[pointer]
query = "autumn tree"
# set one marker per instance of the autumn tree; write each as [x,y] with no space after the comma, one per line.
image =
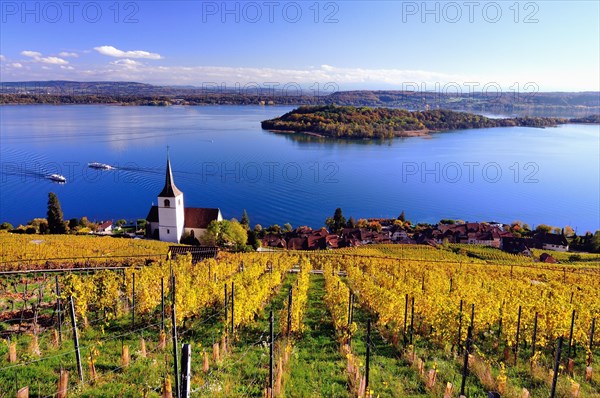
[543,228]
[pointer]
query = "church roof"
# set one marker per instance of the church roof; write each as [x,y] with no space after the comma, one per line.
[196,217]
[170,190]
[152,214]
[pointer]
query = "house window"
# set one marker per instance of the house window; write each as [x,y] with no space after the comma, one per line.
[168,231]
[167,203]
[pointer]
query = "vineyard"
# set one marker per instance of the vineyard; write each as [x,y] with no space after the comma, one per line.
[377,321]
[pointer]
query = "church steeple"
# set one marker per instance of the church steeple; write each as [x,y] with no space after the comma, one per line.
[171,211]
[169,190]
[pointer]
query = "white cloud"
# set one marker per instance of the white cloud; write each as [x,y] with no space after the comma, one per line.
[16,65]
[115,52]
[126,62]
[324,78]
[2,57]
[32,54]
[53,60]
[66,54]
[37,57]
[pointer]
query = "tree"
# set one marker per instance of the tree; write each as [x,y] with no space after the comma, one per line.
[141,224]
[543,228]
[402,216]
[275,228]
[245,220]
[337,222]
[73,224]
[362,223]
[121,222]
[375,226]
[228,233]
[287,227]
[40,225]
[253,240]
[6,225]
[56,225]
[351,223]
[595,242]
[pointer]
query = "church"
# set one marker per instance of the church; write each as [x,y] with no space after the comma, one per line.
[170,221]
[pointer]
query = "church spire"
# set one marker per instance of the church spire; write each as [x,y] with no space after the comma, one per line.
[170,190]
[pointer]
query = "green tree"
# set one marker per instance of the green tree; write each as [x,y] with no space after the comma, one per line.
[595,242]
[253,240]
[245,220]
[226,233]
[351,223]
[141,223]
[73,224]
[6,225]
[337,222]
[402,216]
[275,228]
[56,225]
[40,225]
[121,222]
[287,227]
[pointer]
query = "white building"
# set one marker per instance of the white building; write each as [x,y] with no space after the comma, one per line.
[170,220]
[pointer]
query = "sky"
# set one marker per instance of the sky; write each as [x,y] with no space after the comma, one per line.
[322,46]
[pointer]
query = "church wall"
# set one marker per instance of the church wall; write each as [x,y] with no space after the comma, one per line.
[171,219]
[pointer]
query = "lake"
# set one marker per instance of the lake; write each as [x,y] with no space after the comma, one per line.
[222,158]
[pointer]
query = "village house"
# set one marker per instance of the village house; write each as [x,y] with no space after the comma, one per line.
[170,221]
[105,228]
[467,233]
[516,245]
[548,241]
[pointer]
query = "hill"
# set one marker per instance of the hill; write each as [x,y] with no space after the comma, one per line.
[580,104]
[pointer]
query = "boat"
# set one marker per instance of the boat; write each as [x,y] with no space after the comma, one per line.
[101,166]
[57,178]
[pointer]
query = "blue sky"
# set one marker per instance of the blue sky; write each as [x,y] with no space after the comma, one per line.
[353,44]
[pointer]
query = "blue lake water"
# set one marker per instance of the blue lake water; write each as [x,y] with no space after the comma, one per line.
[222,158]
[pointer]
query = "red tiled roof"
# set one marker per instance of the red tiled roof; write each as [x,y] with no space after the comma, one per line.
[197,217]
[105,225]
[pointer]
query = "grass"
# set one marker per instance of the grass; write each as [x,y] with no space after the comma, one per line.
[244,372]
[317,367]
